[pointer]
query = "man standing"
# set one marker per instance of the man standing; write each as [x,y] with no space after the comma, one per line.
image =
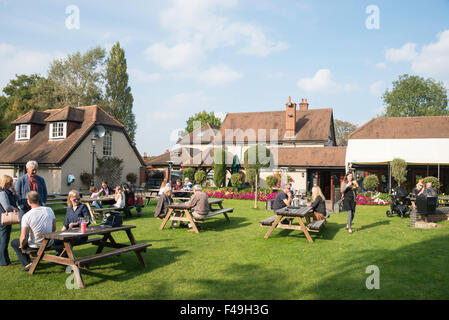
[38,221]
[30,182]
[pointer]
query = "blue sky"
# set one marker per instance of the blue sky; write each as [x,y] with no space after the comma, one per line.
[236,56]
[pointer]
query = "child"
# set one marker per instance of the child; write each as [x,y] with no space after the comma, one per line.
[94,195]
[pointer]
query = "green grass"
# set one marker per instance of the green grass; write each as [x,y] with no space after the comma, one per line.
[234,261]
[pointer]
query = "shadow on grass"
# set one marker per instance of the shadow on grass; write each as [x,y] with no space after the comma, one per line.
[327,232]
[415,271]
[216,224]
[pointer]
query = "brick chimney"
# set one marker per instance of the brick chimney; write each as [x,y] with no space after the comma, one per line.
[290,118]
[304,105]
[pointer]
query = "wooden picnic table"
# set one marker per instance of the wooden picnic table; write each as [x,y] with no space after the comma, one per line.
[186,216]
[69,237]
[154,194]
[294,213]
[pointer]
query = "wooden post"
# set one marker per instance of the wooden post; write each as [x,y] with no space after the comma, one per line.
[255,194]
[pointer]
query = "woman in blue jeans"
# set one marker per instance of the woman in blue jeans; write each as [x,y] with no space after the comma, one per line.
[8,203]
[349,194]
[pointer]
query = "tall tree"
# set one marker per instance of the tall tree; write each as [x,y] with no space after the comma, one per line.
[204,118]
[257,157]
[18,99]
[342,131]
[118,98]
[415,96]
[76,80]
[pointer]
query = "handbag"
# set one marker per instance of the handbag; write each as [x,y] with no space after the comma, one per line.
[9,218]
[112,219]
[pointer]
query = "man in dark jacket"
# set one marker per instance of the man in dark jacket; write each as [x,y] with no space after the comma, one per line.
[30,182]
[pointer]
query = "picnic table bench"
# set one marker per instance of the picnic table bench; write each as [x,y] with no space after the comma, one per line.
[186,216]
[293,213]
[69,237]
[96,212]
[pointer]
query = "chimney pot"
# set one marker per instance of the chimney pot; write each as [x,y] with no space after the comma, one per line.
[304,105]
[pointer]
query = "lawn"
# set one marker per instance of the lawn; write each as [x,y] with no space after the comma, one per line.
[234,261]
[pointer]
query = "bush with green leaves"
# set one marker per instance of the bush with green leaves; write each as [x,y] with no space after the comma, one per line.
[399,170]
[219,167]
[271,181]
[371,182]
[131,177]
[236,179]
[200,177]
[85,178]
[251,176]
[188,173]
[433,180]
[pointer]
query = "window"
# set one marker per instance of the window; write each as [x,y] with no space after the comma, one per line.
[107,144]
[58,130]
[23,132]
[19,170]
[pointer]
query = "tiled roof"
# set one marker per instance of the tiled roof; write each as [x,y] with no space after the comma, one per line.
[67,114]
[311,156]
[32,116]
[404,128]
[203,135]
[46,151]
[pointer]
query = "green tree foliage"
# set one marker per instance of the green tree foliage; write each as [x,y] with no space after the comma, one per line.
[399,170]
[271,181]
[204,118]
[118,97]
[189,173]
[109,169]
[200,177]
[219,167]
[415,96]
[18,99]
[371,182]
[251,176]
[236,179]
[257,157]
[433,180]
[131,177]
[342,131]
[73,81]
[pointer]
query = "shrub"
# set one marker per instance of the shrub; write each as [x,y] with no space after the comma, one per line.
[131,178]
[85,178]
[219,167]
[434,180]
[251,176]
[188,173]
[271,181]
[371,182]
[200,177]
[236,179]
[399,170]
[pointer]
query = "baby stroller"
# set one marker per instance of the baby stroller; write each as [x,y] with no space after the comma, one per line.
[400,203]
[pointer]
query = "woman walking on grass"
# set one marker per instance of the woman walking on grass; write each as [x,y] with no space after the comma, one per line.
[349,194]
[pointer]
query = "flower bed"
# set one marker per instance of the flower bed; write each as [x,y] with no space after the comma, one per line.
[228,194]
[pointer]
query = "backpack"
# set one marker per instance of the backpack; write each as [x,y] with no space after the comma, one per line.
[112,219]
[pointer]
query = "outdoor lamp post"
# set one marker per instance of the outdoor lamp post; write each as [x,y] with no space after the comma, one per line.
[93,140]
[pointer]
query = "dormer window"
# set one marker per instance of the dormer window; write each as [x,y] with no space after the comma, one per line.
[23,132]
[58,130]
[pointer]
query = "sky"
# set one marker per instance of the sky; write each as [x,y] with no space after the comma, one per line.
[236,56]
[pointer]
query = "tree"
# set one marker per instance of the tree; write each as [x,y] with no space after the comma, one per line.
[342,131]
[219,167]
[75,81]
[371,182]
[433,180]
[399,170]
[189,173]
[204,118]
[236,179]
[251,176]
[118,97]
[18,99]
[415,96]
[200,177]
[257,157]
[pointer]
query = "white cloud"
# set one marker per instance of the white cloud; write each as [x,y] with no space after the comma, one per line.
[220,74]
[177,56]
[18,61]
[377,88]
[381,65]
[142,76]
[432,60]
[322,82]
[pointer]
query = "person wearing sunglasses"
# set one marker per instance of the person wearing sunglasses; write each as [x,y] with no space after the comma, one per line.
[76,213]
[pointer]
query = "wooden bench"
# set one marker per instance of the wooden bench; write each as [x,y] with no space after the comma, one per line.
[314,226]
[32,251]
[223,211]
[117,252]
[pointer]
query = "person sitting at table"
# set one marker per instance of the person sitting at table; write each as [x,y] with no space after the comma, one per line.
[76,212]
[164,184]
[178,185]
[283,199]
[94,195]
[187,185]
[162,204]
[318,204]
[38,221]
[119,197]
[106,191]
[429,191]
[199,203]
[416,191]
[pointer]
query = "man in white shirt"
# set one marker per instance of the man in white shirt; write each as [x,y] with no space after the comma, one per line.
[38,221]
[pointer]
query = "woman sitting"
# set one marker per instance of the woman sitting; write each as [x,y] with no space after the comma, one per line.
[94,195]
[318,204]
[119,197]
[164,201]
[75,214]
